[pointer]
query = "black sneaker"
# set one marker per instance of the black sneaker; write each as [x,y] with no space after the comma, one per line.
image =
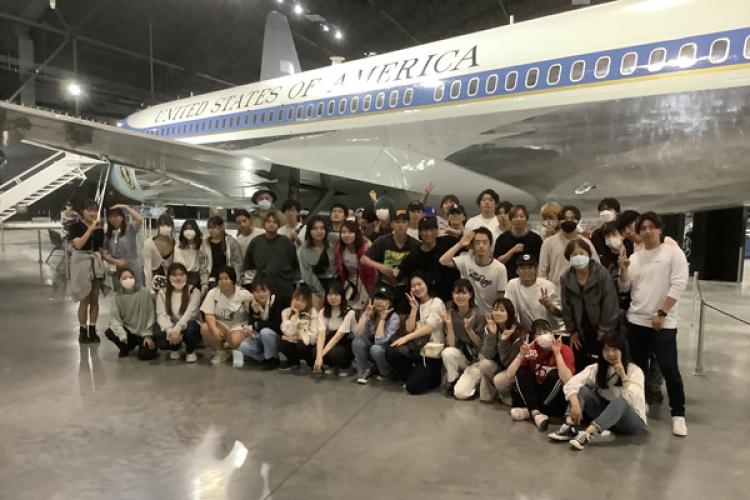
[284,366]
[580,441]
[83,336]
[564,433]
[269,364]
[93,337]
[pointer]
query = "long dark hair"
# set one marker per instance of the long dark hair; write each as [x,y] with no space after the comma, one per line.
[510,310]
[310,224]
[216,221]
[618,341]
[123,225]
[337,288]
[176,266]
[359,238]
[190,224]
[428,284]
[464,285]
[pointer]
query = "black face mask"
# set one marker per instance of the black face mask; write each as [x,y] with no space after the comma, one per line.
[568,225]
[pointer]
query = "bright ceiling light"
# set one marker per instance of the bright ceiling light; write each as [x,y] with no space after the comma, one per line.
[52,4]
[326,28]
[298,9]
[74,89]
[338,35]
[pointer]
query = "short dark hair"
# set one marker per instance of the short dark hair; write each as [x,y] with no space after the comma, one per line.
[165,220]
[490,192]
[90,205]
[291,204]
[609,228]
[610,203]
[428,283]
[483,230]
[229,271]
[650,216]
[339,205]
[626,218]
[505,206]
[569,208]
[259,282]
[450,197]
[215,221]
[576,243]
[305,292]
[272,215]
[241,212]
[515,208]
[540,324]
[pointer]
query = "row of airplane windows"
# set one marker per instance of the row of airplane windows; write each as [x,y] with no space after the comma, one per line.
[657,60]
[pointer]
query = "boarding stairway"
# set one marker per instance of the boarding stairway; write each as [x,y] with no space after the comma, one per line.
[42,179]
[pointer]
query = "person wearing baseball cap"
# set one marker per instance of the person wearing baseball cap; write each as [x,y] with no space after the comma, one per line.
[416,212]
[533,297]
[456,221]
[368,346]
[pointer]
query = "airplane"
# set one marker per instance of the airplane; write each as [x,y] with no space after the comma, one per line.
[642,100]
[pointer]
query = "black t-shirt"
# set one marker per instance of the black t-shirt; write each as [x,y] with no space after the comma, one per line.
[218,257]
[385,251]
[442,277]
[96,240]
[532,243]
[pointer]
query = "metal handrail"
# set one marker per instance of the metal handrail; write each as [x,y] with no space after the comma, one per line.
[32,170]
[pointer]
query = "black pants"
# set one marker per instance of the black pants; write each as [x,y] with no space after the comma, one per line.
[420,374]
[297,351]
[191,336]
[341,355]
[643,342]
[133,341]
[546,397]
[588,353]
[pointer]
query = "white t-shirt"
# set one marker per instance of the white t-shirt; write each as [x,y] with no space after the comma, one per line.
[337,323]
[492,224]
[429,314]
[233,312]
[526,301]
[414,233]
[487,280]
[244,241]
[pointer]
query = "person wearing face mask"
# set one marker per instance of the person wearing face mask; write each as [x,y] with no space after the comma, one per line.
[517,240]
[503,337]
[356,278]
[121,245]
[550,223]
[590,304]
[609,210]
[220,249]
[378,217]
[274,258]
[188,253]
[552,261]
[541,368]
[264,199]
[133,319]
[608,393]
[158,253]
[177,314]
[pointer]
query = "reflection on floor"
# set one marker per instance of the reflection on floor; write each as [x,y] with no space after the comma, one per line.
[78,423]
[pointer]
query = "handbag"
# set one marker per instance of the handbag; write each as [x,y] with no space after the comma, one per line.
[432,350]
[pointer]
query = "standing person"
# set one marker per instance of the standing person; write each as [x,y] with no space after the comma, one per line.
[299,323]
[133,319]
[263,199]
[552,261]
[377,325]
[656,277]
[246,231]
[464,337]
[426,258]
[158,253]
[387,253]
[220,250]
[337,214]
[488,276]
[292,228]
[379,217]
[317,263]
[609,393]
[335,325]
[188,253]
[177,314]
[87,270]
[456,222]
[416,212]
[448,201]
[488,200]
[609,209]
[227,312]
[424,324]
[541,368]
[550,223]
[534,297]
[516,241]
[121,248]
[274,258]
[609,248]
[265,323]
[503,217]
[503,337]
[356,278]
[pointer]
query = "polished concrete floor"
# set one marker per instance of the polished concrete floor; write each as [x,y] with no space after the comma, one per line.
[79,423]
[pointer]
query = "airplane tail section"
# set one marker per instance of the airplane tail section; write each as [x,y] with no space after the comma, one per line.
[279,54]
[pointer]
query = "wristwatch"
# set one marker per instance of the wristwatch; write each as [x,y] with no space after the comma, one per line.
[661,313]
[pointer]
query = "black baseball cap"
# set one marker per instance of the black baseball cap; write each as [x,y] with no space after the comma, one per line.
[456,209]
[526,259]
[415,206]
[400,214]
[384,292]
[427,222]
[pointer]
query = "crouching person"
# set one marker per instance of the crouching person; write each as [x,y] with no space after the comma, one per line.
[177,313]
[133,319]
[609,394]
[502,342]
[374,331]
[265,320]
[299,334]
[335,324]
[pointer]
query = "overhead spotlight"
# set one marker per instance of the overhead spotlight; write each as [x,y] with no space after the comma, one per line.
[298,9]
[74,89]
[584,188]
[52,4]
[326,28]
[338,35]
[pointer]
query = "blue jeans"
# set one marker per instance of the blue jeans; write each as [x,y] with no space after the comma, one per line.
[263,345]
[616,414]
[364,350]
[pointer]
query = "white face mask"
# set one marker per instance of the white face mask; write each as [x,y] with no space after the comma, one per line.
[579,261]
[165,231]
[264,204]
[382,213]
[544,340]
[614,243]
[189,234]
[128,283]
[177,285]
[607,215]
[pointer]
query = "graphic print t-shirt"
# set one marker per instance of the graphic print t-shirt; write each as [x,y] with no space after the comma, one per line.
[385,251]
[487,280]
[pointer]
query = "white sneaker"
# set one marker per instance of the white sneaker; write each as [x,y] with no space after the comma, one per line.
[328,370]
[343,372]
[219,357]
[174,355]
[238,359]
[541,421]
[191,358]
[519,414]
[679,426]
[364,377]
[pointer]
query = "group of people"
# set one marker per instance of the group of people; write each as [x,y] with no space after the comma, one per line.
[572,322]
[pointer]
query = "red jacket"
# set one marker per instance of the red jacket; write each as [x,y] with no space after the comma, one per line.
[368,275]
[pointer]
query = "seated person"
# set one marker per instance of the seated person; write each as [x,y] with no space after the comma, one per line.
[133,319]
[372,334]
[299,323]
[464,335]
[227,312]
[502,341]
[177,312]
[541,368]
[265,326]
[335,324]
[608,394]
